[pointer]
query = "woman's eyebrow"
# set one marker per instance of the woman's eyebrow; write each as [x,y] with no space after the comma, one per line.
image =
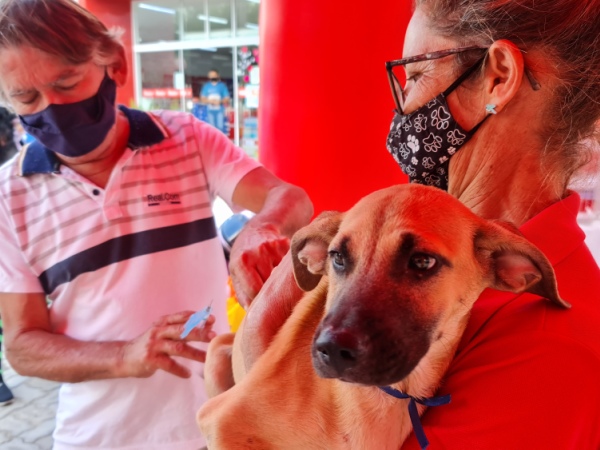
[19,92]
[69,73]
[66,74]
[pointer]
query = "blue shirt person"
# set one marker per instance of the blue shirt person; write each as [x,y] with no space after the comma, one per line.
[198,110]
[216,97]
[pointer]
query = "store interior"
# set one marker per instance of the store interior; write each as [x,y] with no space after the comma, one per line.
[180,41]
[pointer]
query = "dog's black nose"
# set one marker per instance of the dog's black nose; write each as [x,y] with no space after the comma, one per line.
[336,350]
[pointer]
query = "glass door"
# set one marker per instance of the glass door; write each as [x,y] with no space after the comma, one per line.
[248,80]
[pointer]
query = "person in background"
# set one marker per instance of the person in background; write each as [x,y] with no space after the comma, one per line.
[198,109]
[6,395]
[7,151]
[215,96]
[108,215]
[495,102]
[8,148]
[20,136]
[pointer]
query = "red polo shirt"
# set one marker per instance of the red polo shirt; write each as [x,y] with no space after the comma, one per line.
[527,373]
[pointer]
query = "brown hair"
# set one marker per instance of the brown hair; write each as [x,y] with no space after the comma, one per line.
[568,34]
[58,27]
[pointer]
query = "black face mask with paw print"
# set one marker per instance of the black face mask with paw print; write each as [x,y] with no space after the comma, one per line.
[423,141]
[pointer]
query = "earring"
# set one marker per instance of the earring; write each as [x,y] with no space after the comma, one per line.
[491,109]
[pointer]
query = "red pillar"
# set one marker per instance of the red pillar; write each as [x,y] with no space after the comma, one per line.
[117,13]
[325,103]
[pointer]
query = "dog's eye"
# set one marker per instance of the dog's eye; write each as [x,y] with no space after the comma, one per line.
[422,262]
[337,259]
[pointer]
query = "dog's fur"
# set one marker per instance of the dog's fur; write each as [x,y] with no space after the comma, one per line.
[390,286]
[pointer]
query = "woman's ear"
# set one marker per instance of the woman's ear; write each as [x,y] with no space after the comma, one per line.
[118,70]
[504,73]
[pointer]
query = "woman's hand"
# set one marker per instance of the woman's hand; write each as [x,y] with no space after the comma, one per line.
[155,349]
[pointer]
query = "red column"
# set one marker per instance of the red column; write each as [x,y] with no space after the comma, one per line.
[325,102]
[117,13]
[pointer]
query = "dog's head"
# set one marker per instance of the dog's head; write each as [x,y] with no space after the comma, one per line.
[404,266]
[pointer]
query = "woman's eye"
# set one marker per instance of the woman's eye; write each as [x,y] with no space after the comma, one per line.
[25,97]
[336,258]
[412,79]
[66,88]
[27,101]
[422,262]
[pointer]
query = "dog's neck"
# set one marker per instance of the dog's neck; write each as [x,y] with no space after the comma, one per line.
[379,407]
[426,377]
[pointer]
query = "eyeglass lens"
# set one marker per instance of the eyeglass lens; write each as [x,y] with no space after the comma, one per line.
[399,81]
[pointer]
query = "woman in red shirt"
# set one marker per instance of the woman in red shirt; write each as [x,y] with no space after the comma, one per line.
[494,99]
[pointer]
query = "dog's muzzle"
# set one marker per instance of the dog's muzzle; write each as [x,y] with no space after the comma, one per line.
[335,354]
[358,357]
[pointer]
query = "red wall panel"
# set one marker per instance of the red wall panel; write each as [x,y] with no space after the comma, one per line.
[325,102]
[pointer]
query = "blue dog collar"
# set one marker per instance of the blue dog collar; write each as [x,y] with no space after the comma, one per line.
[413,413]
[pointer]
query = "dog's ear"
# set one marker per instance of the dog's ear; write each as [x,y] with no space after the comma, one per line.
[309,248]
[515,264]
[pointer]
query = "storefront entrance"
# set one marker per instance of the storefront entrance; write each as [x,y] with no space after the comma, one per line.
[178,42]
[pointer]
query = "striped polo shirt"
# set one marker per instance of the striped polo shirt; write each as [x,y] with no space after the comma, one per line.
[114,260]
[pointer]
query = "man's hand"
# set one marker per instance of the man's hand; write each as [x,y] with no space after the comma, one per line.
[281,209]
[256,251]
[156,348]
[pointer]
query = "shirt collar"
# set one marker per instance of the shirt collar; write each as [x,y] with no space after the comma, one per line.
[555,230]
[144,130]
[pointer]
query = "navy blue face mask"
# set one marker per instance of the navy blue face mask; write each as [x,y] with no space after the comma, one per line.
[75,129]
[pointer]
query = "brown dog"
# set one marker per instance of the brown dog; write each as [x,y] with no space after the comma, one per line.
[391,283]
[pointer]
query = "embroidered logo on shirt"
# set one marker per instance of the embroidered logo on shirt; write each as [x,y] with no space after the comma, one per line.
[165,198]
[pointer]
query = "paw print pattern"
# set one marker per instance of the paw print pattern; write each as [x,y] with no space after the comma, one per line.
[420,123]
[432,143]
[410,171]
[440,118]
[423,143]
[433,180]
[412,143]
[455,137]
[428,163]
[397,125]
[404,151]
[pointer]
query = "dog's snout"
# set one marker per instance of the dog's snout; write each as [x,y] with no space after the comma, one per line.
[336,352]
